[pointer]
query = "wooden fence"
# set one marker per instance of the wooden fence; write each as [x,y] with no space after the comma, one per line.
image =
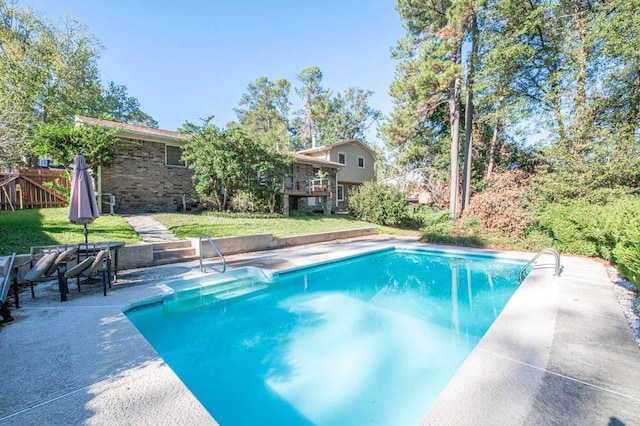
[23,189]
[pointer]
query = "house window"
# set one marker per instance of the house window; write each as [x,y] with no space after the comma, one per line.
[340,192]
[311,201]
[174,156]
[361,162]
[342,158]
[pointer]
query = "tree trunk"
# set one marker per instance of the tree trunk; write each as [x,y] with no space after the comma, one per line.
[580,99]
[494,139]
[492,150]
[468,140]
[454,121]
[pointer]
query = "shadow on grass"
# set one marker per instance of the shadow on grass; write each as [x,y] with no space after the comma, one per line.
[19,230]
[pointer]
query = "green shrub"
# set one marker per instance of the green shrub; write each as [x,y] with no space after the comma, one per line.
[426,217]
[380,204]
[608,231]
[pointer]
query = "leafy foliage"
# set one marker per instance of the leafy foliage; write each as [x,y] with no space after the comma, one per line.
[13,129]
[59,187]
[49,73]
[608,231]
[62,142]
[263,112]
[328,117]
[380,204]
[228,161]
[115,104]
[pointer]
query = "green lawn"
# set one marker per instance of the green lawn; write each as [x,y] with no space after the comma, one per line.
[22,229]
[225,225]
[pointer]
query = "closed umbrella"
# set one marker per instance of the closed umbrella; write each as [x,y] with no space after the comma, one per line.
[82,203]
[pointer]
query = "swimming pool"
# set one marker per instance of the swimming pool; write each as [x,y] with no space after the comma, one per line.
[370,339]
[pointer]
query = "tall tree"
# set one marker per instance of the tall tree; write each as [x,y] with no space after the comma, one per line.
[311,121]
[469,125]
[431,73]
[327,118]
[116,104]
[49,72]
[13,128]
[264,110]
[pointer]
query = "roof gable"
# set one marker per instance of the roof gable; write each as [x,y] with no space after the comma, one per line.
[337,144]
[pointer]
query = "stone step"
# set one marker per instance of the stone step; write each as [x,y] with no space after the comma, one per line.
[176,252]
[169,245]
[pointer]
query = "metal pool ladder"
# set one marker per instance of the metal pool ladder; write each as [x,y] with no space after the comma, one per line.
[224,262]
[550,250]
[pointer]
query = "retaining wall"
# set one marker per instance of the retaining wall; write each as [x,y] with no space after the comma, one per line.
[141,255]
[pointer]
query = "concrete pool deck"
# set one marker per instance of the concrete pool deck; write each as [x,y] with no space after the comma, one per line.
[561,352]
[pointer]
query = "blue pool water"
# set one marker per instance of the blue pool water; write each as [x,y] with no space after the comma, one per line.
[368,340]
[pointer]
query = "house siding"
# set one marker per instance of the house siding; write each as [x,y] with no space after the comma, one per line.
[140,180]
[351,172]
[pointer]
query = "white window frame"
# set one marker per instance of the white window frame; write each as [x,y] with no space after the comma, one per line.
[345,157]
[363,162]
[166,157]
[340,191]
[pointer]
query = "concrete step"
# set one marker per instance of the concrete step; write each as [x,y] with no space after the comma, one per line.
[176,252]
[170,260]
[168,245]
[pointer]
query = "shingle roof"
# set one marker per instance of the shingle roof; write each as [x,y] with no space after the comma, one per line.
[167,134]
[302,158]
[130,128]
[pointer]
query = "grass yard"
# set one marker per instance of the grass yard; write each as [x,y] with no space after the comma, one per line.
[216,224]
[22,229]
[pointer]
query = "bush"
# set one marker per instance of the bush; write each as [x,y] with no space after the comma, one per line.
[426,217]
[499,206]
[608,231]
[244,202]
[380,204]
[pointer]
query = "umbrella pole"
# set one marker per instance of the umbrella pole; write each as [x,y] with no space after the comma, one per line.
[86,234]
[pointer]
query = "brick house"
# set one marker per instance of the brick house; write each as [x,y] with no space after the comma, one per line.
[146,173]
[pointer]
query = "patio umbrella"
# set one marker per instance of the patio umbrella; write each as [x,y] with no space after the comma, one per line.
[82,203]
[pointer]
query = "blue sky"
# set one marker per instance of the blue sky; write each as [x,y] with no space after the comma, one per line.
[189,59]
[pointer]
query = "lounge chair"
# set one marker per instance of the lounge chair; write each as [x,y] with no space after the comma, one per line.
[47,265]
[91,266]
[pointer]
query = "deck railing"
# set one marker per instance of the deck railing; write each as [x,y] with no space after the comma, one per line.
[24,189]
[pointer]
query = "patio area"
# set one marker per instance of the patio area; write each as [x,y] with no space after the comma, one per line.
[561,352]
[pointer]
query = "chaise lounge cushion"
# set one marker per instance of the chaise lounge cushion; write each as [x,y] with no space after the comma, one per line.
[62,257]
[97,263]
[41,266]
[80,267]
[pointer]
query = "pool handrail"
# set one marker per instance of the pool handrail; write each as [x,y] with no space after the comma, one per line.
[549,250]
[224,262]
